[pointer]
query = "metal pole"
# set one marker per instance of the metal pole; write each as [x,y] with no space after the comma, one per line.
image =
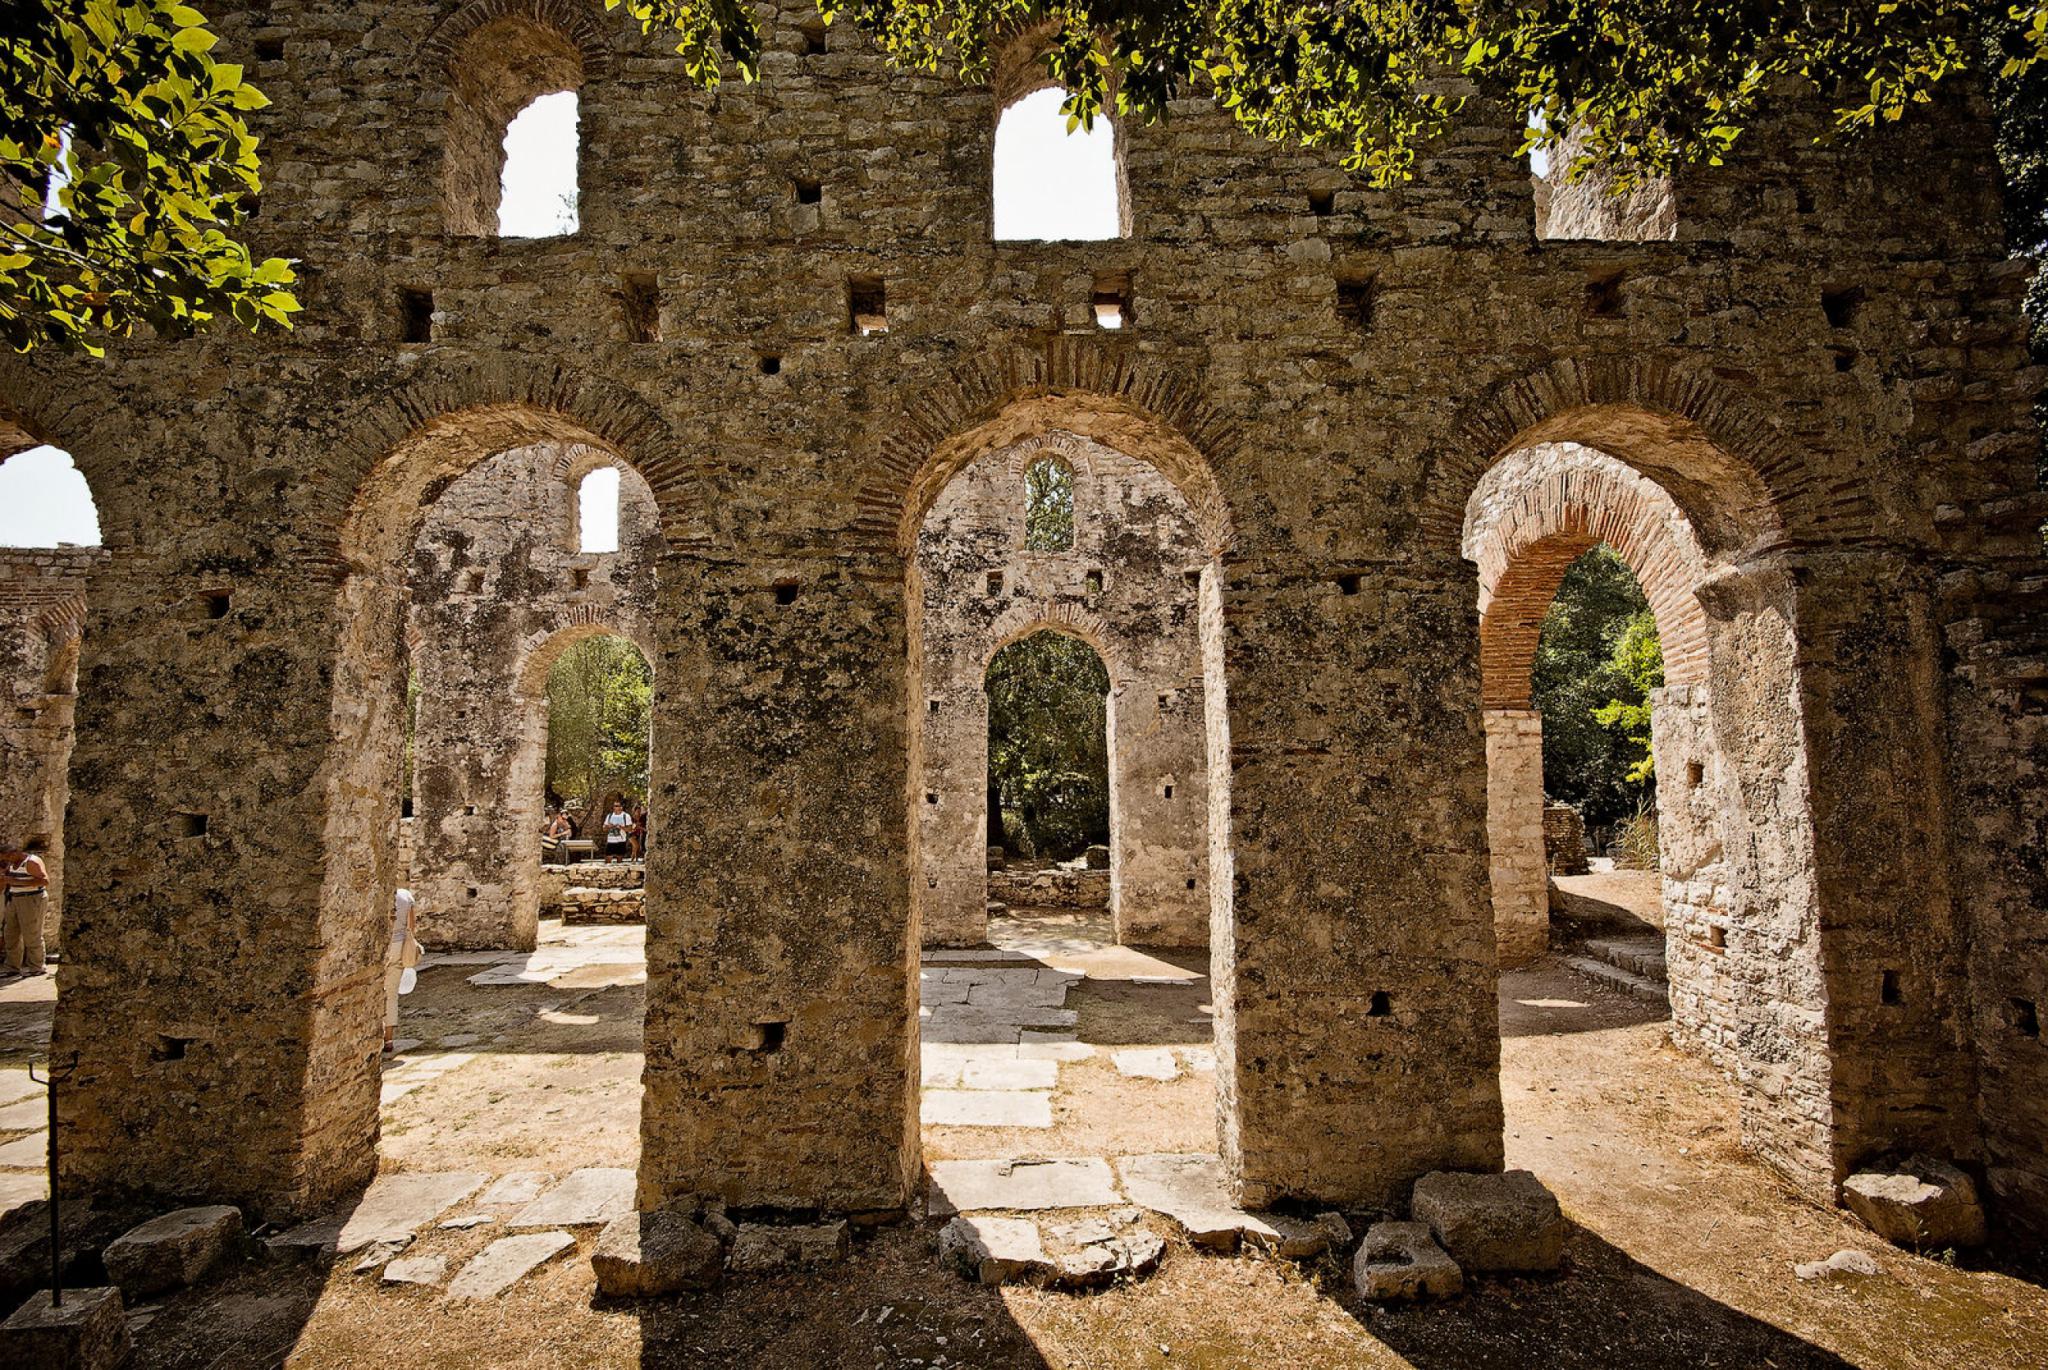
[49,1081]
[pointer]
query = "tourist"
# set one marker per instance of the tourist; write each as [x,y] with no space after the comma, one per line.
[26,882]
[618,832]
[404,953]
[558,830]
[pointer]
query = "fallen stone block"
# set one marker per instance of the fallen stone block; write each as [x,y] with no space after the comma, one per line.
[1923,1203]
[430,1270]
[86,1332]
[1402,1262]
[25,1245]
[172,1251]
[1506,1222]
[643,1255]
[1845,1262]
[1299,1239]
[500,1265]
[760,1249]
[994,1250]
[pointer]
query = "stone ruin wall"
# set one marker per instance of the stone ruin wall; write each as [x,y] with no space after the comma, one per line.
[1706,1017]
[500,590]
[1126,587]
[1825,366]
[44,590]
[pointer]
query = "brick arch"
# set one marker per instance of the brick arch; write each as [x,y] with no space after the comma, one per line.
[39,408]
[1020,621]
[541,649]
[1729,470]
[581,24]
[402,447]
[1534,514]
[1145,408]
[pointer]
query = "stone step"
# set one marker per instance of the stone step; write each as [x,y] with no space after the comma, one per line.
[1615,977]
[1642,956]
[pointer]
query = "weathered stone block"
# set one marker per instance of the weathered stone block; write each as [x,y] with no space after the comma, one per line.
[1506,1222]
[642,1255]
[86,1332]
[1401,1261]
[759,1249]
[994,1250]
[1924,1203]
[172,1251]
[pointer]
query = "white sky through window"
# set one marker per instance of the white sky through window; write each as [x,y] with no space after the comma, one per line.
[597,510]
[44,501]
[1051,184]
[538,192]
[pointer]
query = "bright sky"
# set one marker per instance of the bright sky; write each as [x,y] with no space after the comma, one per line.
[1051,184]
[537,196]
[44,501]
[597,510]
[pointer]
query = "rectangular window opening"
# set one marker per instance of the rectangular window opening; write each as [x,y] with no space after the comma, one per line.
[1695,774]
[216,603]
[416,315]
[1350,584]
[1888,988]
[867,305]
[189,824]
[1166,792]
[1322,202]
[786,591]
[932,705]
[270,49]
[1111,300]
[1094,582]
[1381,1005]
[1717,938]
[1354,301]
[580,578]
[810,38]
[640,306]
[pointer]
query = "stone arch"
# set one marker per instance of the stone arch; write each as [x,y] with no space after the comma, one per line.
[423,433]
[581,24]
[39,408]
[1532,515]
[544,647]
[1142,407]
[1727,468]
[1057,616]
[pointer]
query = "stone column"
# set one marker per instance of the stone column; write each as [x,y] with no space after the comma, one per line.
[1692,858]
[1159,787]
[1357,1021]
[477,776]
[1519,870]
[781,958]
[951,804]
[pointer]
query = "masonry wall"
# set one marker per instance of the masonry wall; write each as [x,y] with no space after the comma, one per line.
[1693,863]
[500,589]
[44,590]
[1519,872]
[1327,454]
[1127,586]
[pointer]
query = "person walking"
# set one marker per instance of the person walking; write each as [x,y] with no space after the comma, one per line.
[403,954]
[25,881]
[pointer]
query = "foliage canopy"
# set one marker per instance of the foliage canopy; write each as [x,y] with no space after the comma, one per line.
[127,166]
[1596,662]
[1048,746]
[1049,505]
[600,709]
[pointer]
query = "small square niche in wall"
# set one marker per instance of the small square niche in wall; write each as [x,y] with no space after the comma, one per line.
[867,304]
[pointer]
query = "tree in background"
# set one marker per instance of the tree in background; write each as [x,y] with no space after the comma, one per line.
[1048,744]
[127,168]
[1596,661]
[600,703]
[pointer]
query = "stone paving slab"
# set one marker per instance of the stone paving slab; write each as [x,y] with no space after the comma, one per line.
[1146,1063]
[32,1112]
[985,1108]
[588,1197]
[416,1270]
[498,1266]
[1052,1046]
[984,1186]
[1009,1074]
[1193,1189]
[15,1084]
[392,1209]
[26,1153]
[516,1189]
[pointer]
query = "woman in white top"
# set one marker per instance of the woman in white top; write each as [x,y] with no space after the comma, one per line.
[404,951]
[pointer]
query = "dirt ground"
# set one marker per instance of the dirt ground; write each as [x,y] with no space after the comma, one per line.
[1681,1251]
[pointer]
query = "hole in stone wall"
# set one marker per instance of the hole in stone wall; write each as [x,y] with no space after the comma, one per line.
[475,582]
[1191,579]
[472,891]
[931,796]
[1888,988]
[1321,202]
[1165,699]
[416,316]
[640,306]
[216,603]
[1802,200]
[770,1036]
[1695,773]
[1191,884]
[1380,1006]
[580,578]
[2025,1019]
[1845,358]
[932,704]
[469,810]
[770,364]
[995,584]
[169,1048]
[1166,792]
[1354,301]
[270,49]
[1094,582]
[867,304]
[809,192]
[786,591]
[189,824]
[1841,306]
[810,37]
[1350,583]
[1604,299]
[1111,300]
[1717,938]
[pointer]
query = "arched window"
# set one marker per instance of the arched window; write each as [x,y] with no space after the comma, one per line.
[597,511]
[1053,182]
[44,501]
[1049,506]
[510,155]
[537,191]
